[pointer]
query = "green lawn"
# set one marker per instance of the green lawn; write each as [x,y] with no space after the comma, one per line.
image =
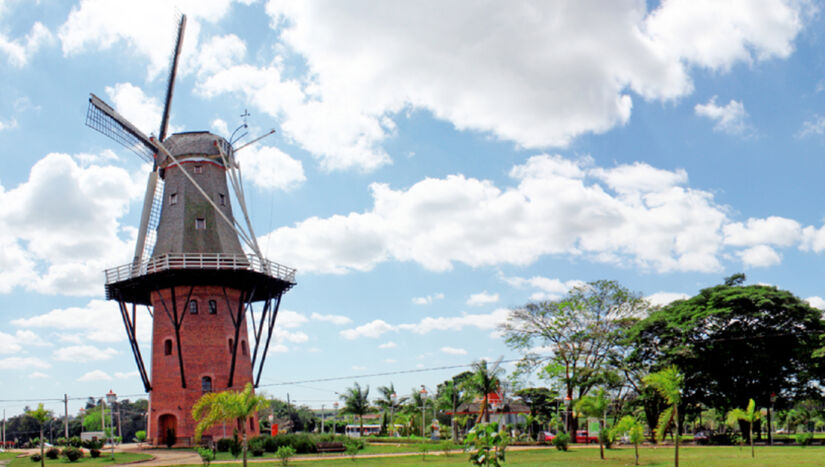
[104,459]
[690,456]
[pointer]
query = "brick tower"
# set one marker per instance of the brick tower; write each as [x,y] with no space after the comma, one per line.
[192,273]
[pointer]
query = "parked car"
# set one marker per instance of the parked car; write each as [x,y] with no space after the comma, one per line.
[583,437]
[546,436]
[701,437]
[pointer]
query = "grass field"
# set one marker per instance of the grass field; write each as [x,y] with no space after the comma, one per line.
[689,456]
[104,459]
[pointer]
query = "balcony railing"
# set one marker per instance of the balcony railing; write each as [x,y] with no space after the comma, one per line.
[204,261]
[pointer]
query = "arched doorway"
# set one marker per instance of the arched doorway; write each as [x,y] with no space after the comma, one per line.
[167,429]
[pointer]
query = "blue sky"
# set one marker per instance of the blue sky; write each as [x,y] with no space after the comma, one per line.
[434,166]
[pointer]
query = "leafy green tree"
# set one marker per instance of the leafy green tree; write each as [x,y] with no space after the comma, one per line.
[484,381]
[749,416]
[41,416]
[356,402]
[451,394]
[388,400]
[668,383]
[631,427]
[595,406]
[736,341]
[228,406]
[486,444]
[583,329]
[301,416]
[542,403]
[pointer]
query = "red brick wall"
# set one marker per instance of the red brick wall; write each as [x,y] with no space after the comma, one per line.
[205,348]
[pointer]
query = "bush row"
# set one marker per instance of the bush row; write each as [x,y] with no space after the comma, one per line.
[302,443]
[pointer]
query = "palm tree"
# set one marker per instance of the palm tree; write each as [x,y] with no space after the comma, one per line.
[749,416]
[483,382]
[595,406]
[389,400]
[356,402]
[668,383]
[451,394]
[227,406]
[42,416]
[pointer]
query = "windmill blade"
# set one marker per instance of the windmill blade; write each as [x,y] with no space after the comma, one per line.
[102,118]
[151,209]
[170,85]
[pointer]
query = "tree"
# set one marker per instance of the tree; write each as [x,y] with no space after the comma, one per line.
[483,382]
[735,341]
[668,383]
[227,406]
[451,394]
[595,406]
[42,416]
[749,416]
[634,429]
[356,402]
[389,400]
[542,403]
[583,330]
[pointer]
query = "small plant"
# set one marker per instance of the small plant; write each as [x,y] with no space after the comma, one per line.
[352,446]
[486,444]
[804,439]
[446,446]
[72,454]
[424,449]
[36,458]
[75,441]
[140,437]
[284,453]
[53,453]
[634,429]
[61,441]
[94,453]
[561,441]
[207,456]
[225,444]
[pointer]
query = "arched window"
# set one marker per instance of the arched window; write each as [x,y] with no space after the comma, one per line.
[213,307]
[167,347]
[206,384]
[193,307]
[252,424]
[230,345]
[243,347]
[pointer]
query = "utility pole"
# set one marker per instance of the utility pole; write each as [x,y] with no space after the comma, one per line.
[4,428]
[66,413]
[288,411]
[322,418]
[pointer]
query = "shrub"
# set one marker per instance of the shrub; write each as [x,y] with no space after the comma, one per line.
[607,438]
[140,436]
[424,449]
[75,441]
[35,458]
[269,444]
[256,446]
[207,456]
[94,453]
[225,444]
[804,439]
[284,453]
[72,454]
[352,446]
[446,445]
[301,442]
[53,453]
[561,441]
[61,441]
[727,438]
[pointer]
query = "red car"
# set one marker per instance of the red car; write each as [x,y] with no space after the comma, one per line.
[583,437]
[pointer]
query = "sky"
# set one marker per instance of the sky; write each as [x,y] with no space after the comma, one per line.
[435,164]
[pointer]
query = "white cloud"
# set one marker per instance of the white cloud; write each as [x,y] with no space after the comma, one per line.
[727,119]
[390,360]
[759,256]
[816,302]
[334,319]
[83,353]
[359,368]
[290,319]
[8,124]
[60,228]
[378,327]
[453,351]
[98,321]
[482,298]
[557,207]
[142,111]
[664,298]
[126,375]
[14,343]
[22,363]
[366,64]
[388,345]
[18,52]
[38,375]
[95,375]
[773,230]
[269,167]
[220,127]
[551,289]
[815,126]
[219,53]
[428,299]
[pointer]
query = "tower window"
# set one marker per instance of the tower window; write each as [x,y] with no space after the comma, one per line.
[167,347]
[230,345]
[213,307]
[243,347]
[173,199]
[251,424]
[198,169]
[193,307]
[223,199]
[206,384]
[200,223]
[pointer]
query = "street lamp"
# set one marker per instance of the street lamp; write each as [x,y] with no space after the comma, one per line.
[567,400]
[423,400]
[322,418]
[335,425]
[393,396]
[111,398]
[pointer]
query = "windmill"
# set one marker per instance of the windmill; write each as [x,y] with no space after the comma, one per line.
[191,271]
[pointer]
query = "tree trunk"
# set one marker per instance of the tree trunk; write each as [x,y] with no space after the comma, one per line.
[243,432]
[361,421]
[42,461]
[452,421]
[601,444]
[676,416]
[636,447]
[750,435]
